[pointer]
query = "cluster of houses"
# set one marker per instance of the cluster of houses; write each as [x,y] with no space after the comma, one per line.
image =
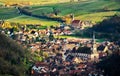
[74,61]
[66,56]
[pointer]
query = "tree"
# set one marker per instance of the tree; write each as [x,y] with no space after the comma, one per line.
[56,11]
[11,57]
[51,37]
[110,65]
[6,25]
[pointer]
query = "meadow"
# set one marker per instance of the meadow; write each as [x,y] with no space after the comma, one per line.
[34,2]
[23,19]
[7,13]
[89,10]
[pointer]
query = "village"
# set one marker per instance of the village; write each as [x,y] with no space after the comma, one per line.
[63,56]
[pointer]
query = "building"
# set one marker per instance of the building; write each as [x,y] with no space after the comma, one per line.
[76,24]
[86,53]
[81,24]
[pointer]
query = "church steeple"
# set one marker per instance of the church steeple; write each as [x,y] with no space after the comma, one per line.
[94,47]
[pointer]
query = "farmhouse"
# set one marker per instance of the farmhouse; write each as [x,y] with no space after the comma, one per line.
[76,24]
[80,24]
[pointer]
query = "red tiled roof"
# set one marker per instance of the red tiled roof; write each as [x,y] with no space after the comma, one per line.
[75,21]
[41,64]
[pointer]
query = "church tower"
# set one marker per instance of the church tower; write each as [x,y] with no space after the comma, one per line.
[94,54]
[94,47]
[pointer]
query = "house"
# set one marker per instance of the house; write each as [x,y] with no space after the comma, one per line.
[77,60]
[76,24]
[81,24]
[86,24]
[39,68]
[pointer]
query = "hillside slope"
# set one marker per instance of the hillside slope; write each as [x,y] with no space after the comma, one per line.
[32,1]
[11,57]
[90,10]
[111,25]
[108,29]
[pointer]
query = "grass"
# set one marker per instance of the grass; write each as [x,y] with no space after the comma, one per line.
[7,13]
[90,10]
[23,19]
[65,36]
[96,17]
[34,1]
[86,10]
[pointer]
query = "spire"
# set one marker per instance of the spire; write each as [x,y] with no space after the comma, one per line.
[93,37]
[94,48]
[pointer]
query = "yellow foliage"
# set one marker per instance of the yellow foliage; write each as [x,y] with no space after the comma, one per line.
[6,25]
[68,19]
[45,54]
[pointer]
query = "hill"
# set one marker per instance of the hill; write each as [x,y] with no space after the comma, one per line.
[90,10]
[32,2]
[108,29]
[111,25]
[24,19]
[12,57]
[7,13]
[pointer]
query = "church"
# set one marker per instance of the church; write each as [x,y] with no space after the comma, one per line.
[87,53]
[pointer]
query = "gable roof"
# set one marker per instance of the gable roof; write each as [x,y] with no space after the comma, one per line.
[84,50]
[76,21]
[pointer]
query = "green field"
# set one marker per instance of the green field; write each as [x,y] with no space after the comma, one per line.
[34,1]
[94,10]
[11,14]
[90,10]
[23,19]
[96,17]
[7,13]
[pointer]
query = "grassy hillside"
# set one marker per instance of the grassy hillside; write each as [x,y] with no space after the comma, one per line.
[23,19]
[34,1]
[94,10]
[107,29]
[12,57]
[6,13]
[12,15]
[111,25]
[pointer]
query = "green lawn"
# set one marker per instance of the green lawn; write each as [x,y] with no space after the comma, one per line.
[23,19]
